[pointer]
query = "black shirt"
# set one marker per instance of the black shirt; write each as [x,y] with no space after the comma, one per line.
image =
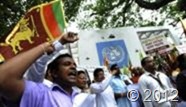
[181,86]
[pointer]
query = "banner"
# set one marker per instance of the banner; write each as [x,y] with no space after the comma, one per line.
[155,41]
[41,23]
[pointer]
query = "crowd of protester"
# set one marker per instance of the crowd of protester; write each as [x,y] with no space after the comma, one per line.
[47,76]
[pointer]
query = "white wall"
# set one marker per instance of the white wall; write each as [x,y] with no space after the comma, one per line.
[88,40]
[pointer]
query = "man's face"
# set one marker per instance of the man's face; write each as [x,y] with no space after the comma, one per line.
[100,77]
[150,65]
[66,73]
[81,81]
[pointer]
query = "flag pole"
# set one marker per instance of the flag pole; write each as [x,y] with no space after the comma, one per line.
[183,23]
[69,48]
[68,44]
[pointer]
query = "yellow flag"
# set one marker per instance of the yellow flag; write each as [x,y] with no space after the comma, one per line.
[1,58]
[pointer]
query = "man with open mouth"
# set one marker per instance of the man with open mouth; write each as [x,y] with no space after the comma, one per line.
[15,88]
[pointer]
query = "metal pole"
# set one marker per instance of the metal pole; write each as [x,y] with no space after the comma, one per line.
[69,48]
[68,45]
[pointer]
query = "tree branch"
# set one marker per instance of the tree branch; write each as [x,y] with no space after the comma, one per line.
[127,6]
[153,5]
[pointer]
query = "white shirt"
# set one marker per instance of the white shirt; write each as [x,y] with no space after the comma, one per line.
[104,93]
[148,82]
[48,83]
[84,100]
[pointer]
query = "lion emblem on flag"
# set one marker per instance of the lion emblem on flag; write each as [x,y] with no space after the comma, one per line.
[24,33]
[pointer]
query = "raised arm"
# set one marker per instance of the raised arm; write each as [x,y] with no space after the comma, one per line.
[11,78]
[11,81]
[99,87]
[37,71]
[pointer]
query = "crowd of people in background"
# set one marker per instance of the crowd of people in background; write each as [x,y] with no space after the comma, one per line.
[47,76]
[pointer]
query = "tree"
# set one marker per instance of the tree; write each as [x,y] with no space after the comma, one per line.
[119,13]
[13,10]
[100,13]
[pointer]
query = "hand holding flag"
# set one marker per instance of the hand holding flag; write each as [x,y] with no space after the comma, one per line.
[68,37]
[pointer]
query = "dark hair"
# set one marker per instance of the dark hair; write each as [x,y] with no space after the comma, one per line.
[137,71]
[181,61]
[143,61]
[113,67]
[54,65]
[1,62]
[96,71]
[80,72]
[48,70]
